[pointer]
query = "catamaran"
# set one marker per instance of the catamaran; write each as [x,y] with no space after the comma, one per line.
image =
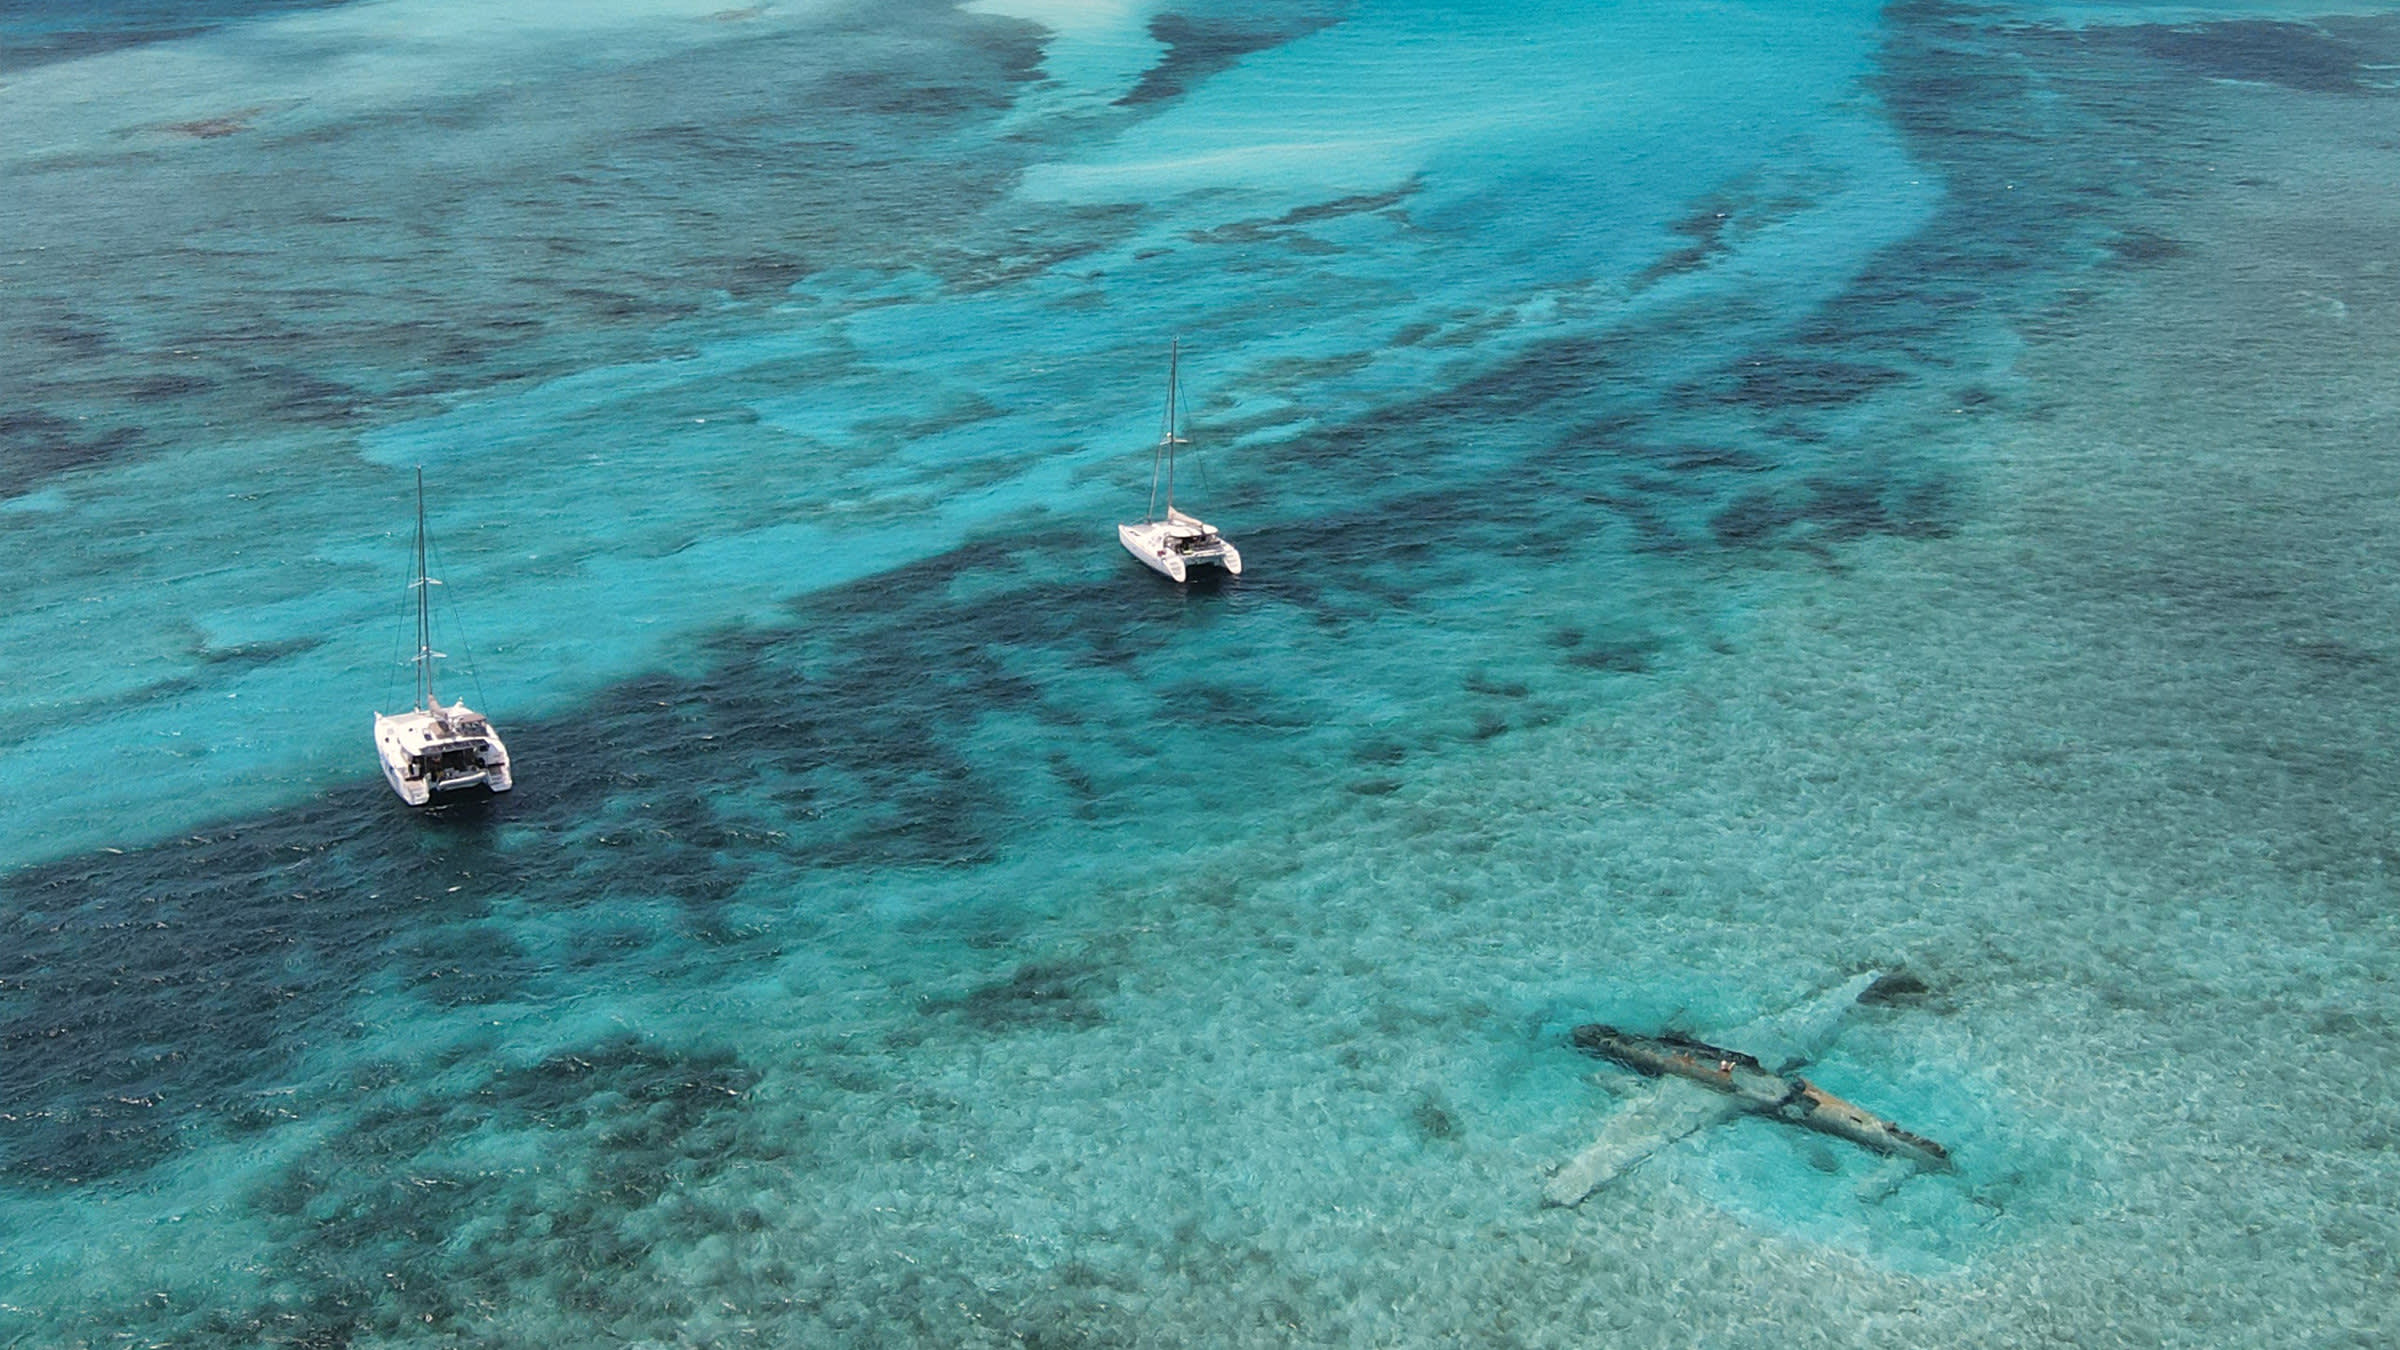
[1170,545]
[430,748]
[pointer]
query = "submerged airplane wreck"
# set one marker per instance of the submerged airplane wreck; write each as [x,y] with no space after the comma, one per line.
[1729,1083]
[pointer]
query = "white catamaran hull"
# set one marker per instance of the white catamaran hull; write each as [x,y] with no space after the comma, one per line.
[1172,546]
[441,751]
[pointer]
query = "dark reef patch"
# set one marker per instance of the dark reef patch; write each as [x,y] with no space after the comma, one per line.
[212,128]
[2336,655]
[36,445]
[399,1230]
[1612,658]
[38,33]
[1895,986]
[161,388]
[246,655]
[763,276]
[1433,1119]
[1199,46]
[1035,995]
[1751,519]
[2143,247]
[1286,228]
[144,992]
[1704,233]
[2295,55]
[1779,382]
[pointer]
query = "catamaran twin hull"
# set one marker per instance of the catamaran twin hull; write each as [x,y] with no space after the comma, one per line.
[1172,546]
[442,750]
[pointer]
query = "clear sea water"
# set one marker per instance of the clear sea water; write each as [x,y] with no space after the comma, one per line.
[1736,495]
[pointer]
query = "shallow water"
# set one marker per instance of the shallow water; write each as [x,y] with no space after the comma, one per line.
[1733,499]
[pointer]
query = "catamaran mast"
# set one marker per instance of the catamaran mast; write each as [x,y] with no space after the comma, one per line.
[423,586]
[1174,359]
[1167,439]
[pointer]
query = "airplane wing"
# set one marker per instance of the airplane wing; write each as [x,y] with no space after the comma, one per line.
[1662,1111]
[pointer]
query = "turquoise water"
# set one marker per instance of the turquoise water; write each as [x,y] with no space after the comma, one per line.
[1735,496]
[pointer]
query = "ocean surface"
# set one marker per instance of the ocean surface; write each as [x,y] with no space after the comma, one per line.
[1735,496]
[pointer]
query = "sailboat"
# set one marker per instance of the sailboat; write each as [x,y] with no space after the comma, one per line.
[1171,545]
[432,749]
